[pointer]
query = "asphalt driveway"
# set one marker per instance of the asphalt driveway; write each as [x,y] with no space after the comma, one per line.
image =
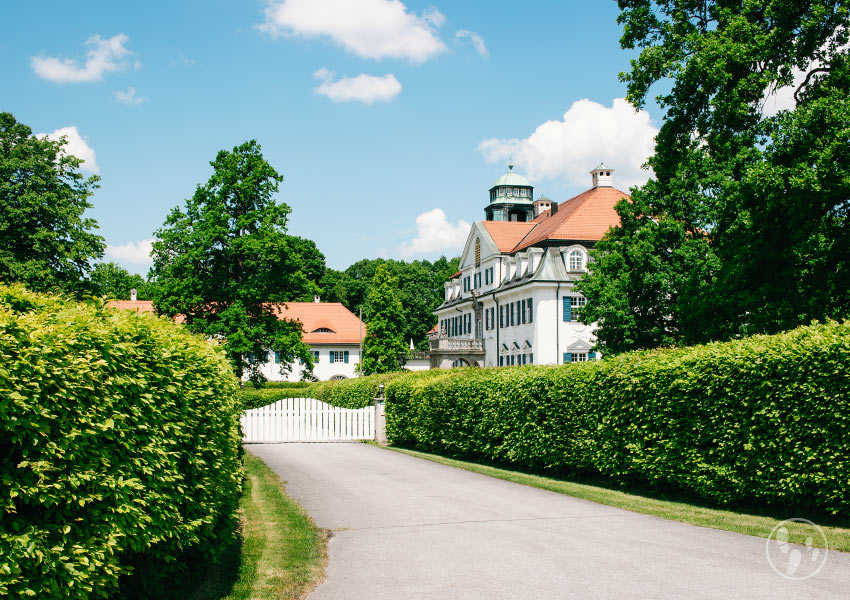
[406,528]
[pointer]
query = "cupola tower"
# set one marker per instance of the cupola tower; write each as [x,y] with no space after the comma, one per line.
[511,198]
[602,176]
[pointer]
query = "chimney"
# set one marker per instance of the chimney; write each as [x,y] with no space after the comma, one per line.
[133,294]
[554,209]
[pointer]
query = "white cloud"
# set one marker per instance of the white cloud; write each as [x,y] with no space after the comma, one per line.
[368,28]
[477,41]
[129,97]
[589,133]
[137,253]
[76,145]
[435,234]
[103,56]
[362,88]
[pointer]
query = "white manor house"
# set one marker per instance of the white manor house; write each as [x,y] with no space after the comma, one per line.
[513,300]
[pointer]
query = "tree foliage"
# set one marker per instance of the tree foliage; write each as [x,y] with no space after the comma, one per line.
[420,290]
[114,281]
[225,259]
[744,227]
[45,241]
[384,348]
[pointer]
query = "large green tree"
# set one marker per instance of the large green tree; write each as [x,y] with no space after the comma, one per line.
[744,227]
[114,281]
[46,242]
[384,348]
[225,259]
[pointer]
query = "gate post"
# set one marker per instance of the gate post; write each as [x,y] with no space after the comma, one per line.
[380,418]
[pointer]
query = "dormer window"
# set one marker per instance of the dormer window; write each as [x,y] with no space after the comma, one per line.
[323,330]
[576,260]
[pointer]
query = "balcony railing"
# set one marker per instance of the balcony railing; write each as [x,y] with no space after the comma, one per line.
[457,345]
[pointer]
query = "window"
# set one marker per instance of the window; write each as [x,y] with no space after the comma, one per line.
[524,313]
[576,260]
[570,304]
[315,354]
[571,357]
[277,357]
[512,321]
[466,283]
[501,361]
[477,281]
[339,356]
[501,317]
[530,310]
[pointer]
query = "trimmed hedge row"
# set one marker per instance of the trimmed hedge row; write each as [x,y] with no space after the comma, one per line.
[254,398]
[764,420]
[361,391]
[119,449]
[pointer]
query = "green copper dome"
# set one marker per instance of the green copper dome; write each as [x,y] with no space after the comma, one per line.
[511,178]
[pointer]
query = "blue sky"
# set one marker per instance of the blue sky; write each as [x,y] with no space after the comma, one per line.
[389,120]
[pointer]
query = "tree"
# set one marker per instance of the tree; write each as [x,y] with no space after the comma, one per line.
[384,348]
[746,220]
[114,281]
[45,241]
[225,259]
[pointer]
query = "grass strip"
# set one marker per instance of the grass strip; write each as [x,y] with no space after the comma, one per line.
[283,552]
[748,524]
[279,554]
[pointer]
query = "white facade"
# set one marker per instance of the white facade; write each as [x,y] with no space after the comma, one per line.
[514,299]
[520,315]
[329,362]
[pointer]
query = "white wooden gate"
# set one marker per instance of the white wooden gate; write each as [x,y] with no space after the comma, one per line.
[307,420]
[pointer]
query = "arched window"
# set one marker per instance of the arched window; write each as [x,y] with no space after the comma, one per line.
[576,260]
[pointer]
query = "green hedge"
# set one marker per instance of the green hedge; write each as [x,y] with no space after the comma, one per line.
[119,449]
[250,397]
[361,391]
[764,420]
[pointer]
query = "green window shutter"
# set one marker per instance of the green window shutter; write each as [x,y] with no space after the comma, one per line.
[530,311]
[568,357]
[591,356]
[345,356]
[568,309]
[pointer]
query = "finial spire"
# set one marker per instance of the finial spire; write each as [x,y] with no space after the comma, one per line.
[511,163]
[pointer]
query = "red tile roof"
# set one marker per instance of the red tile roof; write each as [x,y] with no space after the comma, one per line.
[586,217]
[344,325]
[142,306]
[507,234]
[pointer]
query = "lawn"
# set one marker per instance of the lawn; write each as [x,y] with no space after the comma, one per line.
[838,538]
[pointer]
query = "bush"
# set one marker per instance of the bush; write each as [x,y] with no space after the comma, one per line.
[119,448]
[764,420]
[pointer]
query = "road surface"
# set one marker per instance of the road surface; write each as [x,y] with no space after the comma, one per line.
[405,528]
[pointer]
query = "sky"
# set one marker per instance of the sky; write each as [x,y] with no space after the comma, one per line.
[389,120]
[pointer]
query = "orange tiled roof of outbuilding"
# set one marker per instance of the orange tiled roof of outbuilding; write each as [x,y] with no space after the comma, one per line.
[344,325]
[142,306]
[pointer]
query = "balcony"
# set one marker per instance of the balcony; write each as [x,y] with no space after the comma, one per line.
[456,345]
